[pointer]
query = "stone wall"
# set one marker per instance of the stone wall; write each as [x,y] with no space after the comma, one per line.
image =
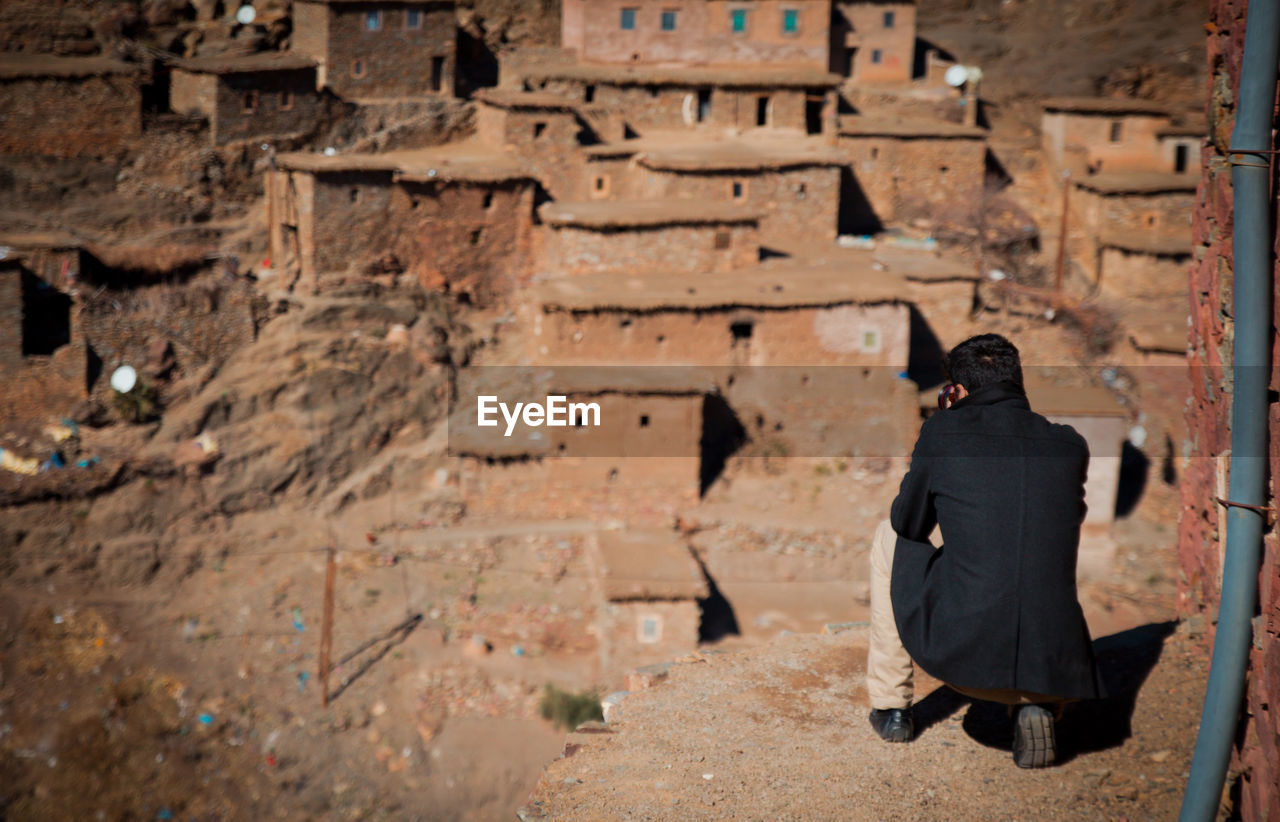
[10,314]
[622,650]
[797,204]
[1136,147]
[94,116]
[545,139]
[1202,527]
[1135,274]
[651,249]
[391,61]
[703,32]
[867,335]
[282,102]
[932,178]
[862,31]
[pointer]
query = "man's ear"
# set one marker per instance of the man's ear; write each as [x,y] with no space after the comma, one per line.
[961,392]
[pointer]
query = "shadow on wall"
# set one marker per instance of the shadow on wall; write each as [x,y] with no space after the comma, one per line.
[924,358]
[856,216]
[1125,660]
[1135,467]
[722,435]
[923,47]
[718,618]
[477,65]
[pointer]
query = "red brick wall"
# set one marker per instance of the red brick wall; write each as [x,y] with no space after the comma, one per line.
[1258,756]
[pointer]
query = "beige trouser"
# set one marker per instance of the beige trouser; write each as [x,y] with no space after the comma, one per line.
[889,668]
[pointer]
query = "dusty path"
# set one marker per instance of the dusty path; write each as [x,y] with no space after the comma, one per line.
[780,732]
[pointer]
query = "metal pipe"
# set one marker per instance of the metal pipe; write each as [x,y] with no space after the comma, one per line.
[1250,368]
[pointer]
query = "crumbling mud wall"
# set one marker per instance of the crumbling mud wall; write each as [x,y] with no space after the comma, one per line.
[1256,764]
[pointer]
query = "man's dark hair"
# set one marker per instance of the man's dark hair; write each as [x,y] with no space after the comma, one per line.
[979,361]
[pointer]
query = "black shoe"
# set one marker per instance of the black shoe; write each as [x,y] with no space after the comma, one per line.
[893,724]
[1033,742]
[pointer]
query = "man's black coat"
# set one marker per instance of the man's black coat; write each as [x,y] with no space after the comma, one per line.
[995,606]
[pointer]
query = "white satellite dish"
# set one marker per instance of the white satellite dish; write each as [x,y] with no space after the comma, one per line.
[956,76]
[974,75]
[246,15]
[124,378]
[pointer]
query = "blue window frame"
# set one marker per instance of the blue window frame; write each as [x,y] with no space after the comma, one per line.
[876,56]
[628,20]
[413,19]
[790,21]
[372,20]
[738,20]
[669,20]
[889,19]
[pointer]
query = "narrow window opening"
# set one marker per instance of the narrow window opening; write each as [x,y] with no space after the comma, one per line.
[357,68]
[889,19]
[354,194]
[722,240]
[762,111]
[644,420]
[649,629]
[286,100]
[437,73]
[413,19]
[1180,156]
[476,234]
[876,56]
[249,102]
[372,20]
[1117,131]
[704,104]
[487,203]
[739,189]
[589,94]
[741,331]
[538,129]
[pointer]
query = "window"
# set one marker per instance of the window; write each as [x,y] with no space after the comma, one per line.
[487,203]
[762,111]
[889,19]
[790,21]
[669,20]
[876,56]
[372,20]
[1180,154]
[741,331]
[704,104]
[869,341]
[875,152]
[286,100]
[738,188]
[538,129]
[648,627]
[413,18]
[357,68]
[354,195]
[476,235]
[248,102]
[801,191]
[644,420]
[738,21]
[600,186]
[628,21]
[437,73]
[722,240]
[1117,130]
[589,94]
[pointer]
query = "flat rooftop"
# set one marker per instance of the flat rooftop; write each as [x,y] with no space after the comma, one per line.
[648,565]
[247,63]
[749,76]
[20,65]
[607,214]
[766,286]
[1137,182]
[512,99]
[54,240]
[862,125]
[1105,105]
[912,264]
[680,151]
[468,161]
[1160,244]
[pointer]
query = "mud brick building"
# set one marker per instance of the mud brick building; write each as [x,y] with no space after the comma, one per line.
[1091,135]
[252,97]
[764,315]
[631,236]
[68,106]
[544,131]
[652,98]
[699,32]
[650,587]
[458,217]
[592,472]
[874,42]
[1129,228]
[1254,773]
[370,49]
[911,168]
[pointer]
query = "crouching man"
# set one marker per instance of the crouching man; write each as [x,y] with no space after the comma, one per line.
[991,610]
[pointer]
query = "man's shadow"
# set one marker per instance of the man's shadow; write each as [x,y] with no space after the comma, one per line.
[1124,660]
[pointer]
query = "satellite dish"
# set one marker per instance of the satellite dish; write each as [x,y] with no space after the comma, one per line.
[246,15]
[956,76]
[974,75]
[124,378]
